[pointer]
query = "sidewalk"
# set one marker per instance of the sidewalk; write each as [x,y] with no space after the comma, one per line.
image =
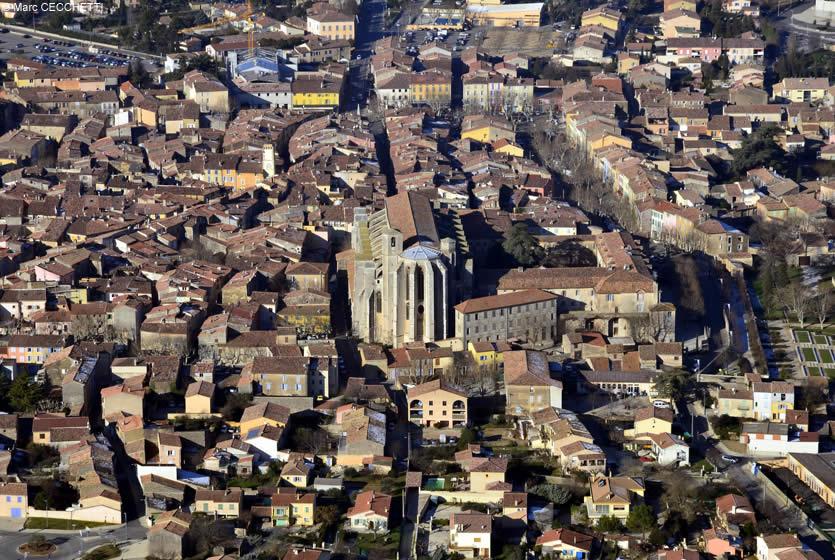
[135,551]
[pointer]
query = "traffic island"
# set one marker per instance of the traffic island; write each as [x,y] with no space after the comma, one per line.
[37,546]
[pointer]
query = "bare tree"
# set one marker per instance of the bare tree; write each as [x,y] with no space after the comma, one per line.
[648,328]
[822,305]
[795,300]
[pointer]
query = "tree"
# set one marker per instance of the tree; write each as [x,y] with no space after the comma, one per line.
[467,437]
[796,301]
[558,495]
[137,74]
[822,305]
[327,515]
[725,425]
[24,394]
[522,246]
[641,519]
[609,524]
[759,149]
[673,384]
[235,404]
[569,253]
[312,440]
[813,395]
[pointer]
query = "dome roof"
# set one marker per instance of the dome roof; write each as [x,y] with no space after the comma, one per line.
[421,252]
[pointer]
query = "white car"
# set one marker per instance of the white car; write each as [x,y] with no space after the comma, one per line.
[729,459]
[661,404]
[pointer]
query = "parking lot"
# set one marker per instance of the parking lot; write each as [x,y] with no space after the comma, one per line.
[60,53]
[455,41]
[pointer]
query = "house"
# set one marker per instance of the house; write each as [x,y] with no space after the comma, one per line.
[59,431]
[266,439]
[220,503]
[680,23]
[487,130]
[566,543]
[777,439]
[331,24]
[296,471]
[612,496]
[168,537]
[370,513]
[127,397]
[515,506]
[210,94]
[264,413]
[435,404]
[307,276]
[31,348]
[199,397]
[733,511]
[470,534]
[603,16]
[801,90]
[772,400]
[770,547]
[736,403]
[487,474]
[292,508]
[817,471]
[651,420]
[362,435]
[14,500]
[720,545]
[528,383]
[669,449]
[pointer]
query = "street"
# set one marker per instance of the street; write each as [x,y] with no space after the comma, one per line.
[71,544]
[370,28]
[740,473]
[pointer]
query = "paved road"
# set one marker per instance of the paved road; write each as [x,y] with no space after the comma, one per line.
[370,28]
[806,36]
[409,524]
[71,544]
[780,510]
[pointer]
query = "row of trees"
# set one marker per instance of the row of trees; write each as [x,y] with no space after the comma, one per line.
[779,291]
[585,185]
[804,303]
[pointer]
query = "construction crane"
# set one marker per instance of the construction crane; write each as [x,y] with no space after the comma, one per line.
[251,38]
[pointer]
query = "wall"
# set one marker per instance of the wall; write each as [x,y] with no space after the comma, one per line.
[97,514]
[485,497]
